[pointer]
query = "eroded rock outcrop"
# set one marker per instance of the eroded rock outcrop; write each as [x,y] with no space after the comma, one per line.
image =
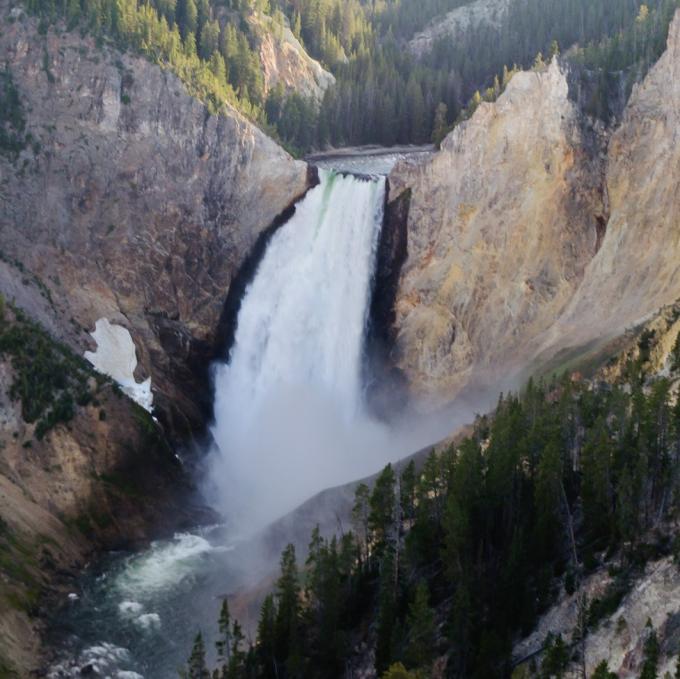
[502,223]
[131,202]
[619,638]
[455,24]
[285,61]
[637,269]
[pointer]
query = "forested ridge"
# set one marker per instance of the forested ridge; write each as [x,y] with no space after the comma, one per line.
[457,558]
[384,94]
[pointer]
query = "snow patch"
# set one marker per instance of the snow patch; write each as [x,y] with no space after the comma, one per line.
[116,357]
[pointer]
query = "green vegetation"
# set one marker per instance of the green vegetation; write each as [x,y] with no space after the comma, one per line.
[12,122]
[215,61]
[6,670]
[49,379]
[651,654]
[556,657]
[605,606]
[18,565]
[383,93]
[617,62]
[28,277]
[460,558]
[602,672]
[675,355]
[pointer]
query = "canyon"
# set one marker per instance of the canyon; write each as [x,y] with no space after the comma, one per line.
[532,238]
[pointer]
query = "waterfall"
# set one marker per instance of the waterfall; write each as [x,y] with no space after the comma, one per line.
[289,412]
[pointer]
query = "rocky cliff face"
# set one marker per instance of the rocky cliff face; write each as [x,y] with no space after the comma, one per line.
[284,60]
[130,201]
[501,225]
[533,235]
[454,24]
[636,270]
[121,198]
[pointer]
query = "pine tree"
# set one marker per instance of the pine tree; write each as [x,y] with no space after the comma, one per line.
[407,491]
[287,622]
[197,668]
[223,642]
[547,500]
[190,45]
[422,630]
[439,124]
[602,672]
[596,482]
[387,609]
[361,510]
[209,39]
[237,656]
[219,69]
[266,639]
[187,18]
[554,50]
[382,503]
[556,657]
[398,671]
[675,355]
[650,653]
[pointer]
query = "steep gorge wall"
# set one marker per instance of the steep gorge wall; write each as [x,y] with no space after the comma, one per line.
[533,234]
[132,202]
[502,223]
[637,269]
[454,25]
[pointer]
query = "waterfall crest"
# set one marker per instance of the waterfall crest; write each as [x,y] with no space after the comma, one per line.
[288,403]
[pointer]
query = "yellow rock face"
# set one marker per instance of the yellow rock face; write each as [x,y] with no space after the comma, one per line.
[531,232]
[502,223]
[637,269]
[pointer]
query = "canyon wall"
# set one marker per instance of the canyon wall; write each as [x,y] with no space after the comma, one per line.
[285,61]
[130,201]
[455,24]
[532,233]
[502,222]
[637,269]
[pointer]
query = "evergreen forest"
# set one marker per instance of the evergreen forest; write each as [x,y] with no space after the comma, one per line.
[384,93]
[456,556]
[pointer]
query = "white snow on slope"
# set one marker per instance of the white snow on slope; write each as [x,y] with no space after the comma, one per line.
[116,357]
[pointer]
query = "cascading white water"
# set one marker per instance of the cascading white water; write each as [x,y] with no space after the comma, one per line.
[288,404]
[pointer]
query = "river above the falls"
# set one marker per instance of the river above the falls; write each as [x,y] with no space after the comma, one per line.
[367,160]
